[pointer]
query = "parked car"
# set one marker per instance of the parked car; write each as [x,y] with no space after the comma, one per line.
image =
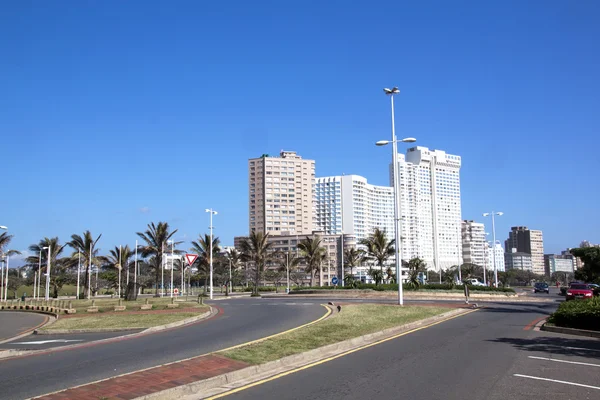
[541,287]
[474,282]
[595,288]
[579,291]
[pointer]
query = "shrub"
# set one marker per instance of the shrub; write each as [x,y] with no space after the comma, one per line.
[579,314]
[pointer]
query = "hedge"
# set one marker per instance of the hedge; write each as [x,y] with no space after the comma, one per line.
[407,287]
[579,314]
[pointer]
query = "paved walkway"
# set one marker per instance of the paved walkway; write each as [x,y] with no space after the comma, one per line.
[152,380]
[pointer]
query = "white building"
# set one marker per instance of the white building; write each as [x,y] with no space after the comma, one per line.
[474,244]
[365,206]
[500,266]
[431,207]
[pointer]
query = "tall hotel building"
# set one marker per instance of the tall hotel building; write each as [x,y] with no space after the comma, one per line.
[280,191]
[431,208]
[365,206]
[529,241]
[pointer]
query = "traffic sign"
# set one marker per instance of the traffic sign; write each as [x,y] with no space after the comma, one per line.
[176,291]
[191,258]
[334,280]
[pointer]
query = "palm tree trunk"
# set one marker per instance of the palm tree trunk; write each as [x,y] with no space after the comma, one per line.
[312,278]
[320,275]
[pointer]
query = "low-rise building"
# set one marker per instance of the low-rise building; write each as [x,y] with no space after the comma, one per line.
[518,260]
[559,263]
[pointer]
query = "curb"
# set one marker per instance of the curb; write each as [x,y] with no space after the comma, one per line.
[570,331]
[226,382]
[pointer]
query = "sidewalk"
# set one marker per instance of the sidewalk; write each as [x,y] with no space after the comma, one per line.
[141,383]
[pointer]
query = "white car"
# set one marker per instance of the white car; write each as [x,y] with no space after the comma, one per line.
[475,282]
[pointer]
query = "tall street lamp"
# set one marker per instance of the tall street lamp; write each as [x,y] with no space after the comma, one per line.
[78,271]
[493,214]
[397,210]
[47,294]
[2,289]
[212,212]
[172,263]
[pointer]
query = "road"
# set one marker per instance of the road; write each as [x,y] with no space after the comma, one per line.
[242,320]
[13,323]
[492,354]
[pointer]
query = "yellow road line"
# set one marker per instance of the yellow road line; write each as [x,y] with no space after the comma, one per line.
[280,333]
[260,382]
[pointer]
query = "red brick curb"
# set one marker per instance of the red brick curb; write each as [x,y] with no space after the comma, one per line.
[141,383]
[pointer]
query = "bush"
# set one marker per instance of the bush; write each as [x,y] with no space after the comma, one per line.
[579,314]
[261,288]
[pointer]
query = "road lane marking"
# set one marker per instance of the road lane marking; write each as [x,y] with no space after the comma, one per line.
[51,341]
[581,348]
[314,364]
[564,361]
[557,381]
[533,323]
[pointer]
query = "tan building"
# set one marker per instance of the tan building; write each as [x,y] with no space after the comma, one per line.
[280,191]
[528,241]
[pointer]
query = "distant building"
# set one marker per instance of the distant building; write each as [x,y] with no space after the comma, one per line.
[586,243]
[500,262]
[518,260]
[528,241]
[559,263]
[474,244]
[280,191]
[577,262]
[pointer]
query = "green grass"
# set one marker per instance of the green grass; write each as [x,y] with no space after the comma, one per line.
[135,321]
[354,320]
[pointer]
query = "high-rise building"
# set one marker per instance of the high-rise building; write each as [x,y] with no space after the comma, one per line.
[529,241]
[474,244]
[280,191]
[559,263]
[431,208]
[351,205]
[577,261]
[499,253]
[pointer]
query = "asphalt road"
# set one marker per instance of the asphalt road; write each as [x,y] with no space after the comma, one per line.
[242,320]
[13,323]
[490,354]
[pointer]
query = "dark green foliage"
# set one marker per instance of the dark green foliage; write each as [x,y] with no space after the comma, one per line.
[579,314]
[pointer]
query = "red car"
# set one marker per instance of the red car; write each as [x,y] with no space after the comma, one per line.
[579,291]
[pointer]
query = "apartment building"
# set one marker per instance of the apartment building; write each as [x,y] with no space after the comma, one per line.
[431,206]
[518,260]
[280,191]
[351,205]
[559,263]
[499,254]
[529,241]
[474,243]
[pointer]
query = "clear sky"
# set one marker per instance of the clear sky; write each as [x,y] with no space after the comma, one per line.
[114,114]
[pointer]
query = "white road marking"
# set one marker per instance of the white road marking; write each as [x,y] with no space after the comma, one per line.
[564,361]
[557,381]
[582,348]
[51,341]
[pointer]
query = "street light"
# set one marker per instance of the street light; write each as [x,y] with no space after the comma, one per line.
[212,212]
[47,294]
[397,210]
[493,214]
[3,227]
[2,289]
[172,262]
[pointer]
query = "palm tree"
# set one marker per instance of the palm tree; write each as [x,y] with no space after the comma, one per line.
[257,250]
[120,258]
[58,266]
[5,240]
[235,259]
[313,254]
[287,260]
[86,245]
[156,244]
[202,248]
[379,248]
[415,266]
[353,257]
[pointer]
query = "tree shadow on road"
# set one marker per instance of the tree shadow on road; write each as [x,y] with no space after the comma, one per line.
[588,348]
[538,309]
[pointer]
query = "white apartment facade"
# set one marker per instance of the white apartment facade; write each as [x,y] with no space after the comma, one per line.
[489,255]
[280,191]
[431,206]
[349,204]
[474,244]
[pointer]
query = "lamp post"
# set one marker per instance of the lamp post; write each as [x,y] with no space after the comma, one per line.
[120,267]
[78,271]
[182,260]
[212,212]
[47,294]
[89,275]
[135,267]
[493,214]
[2,288]
[287,265]
[162,262]
[172,263]
[397,194]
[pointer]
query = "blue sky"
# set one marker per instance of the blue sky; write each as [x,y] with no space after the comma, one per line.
[115,114]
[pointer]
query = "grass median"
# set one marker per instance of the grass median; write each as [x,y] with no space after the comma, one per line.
[354,320]
[120,321]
